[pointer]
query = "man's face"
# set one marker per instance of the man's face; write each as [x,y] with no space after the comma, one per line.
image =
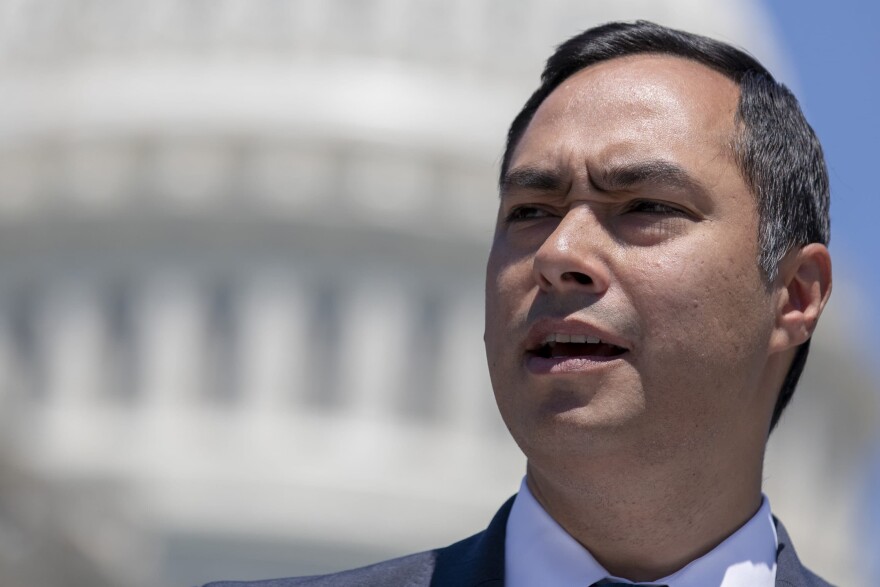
[624,218]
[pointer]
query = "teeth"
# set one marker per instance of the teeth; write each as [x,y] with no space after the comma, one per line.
[575,338]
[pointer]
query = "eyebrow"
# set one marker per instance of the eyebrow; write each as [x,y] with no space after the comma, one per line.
[654,171]
[531,178]
[612,179]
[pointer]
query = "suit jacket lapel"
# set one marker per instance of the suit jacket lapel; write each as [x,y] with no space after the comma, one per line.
[475,561]
[790,572]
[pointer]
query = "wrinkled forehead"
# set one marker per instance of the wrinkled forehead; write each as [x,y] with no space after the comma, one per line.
[648,96]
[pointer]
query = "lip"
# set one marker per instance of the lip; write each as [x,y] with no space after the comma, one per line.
[541,329]
[558,365]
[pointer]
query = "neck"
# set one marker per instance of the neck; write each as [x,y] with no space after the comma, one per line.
[646,526]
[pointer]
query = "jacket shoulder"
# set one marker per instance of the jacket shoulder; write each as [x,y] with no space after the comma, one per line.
[807,578]
[790,571]
[474,561]
[414,570]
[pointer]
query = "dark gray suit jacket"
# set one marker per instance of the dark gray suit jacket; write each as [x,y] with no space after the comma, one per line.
[479,561]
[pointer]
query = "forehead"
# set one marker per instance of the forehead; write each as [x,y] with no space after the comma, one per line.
[647,105]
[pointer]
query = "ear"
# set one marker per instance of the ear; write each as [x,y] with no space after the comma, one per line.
[802,287]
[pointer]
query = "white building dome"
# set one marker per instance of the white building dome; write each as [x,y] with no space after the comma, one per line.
[242,247]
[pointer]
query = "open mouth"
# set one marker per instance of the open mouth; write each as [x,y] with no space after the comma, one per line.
[560,346]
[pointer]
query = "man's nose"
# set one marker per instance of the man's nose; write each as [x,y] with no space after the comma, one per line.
[572,259]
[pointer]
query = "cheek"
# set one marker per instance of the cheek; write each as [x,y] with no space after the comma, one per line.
[506,291]
[507,281]
[699,361]
[708,309]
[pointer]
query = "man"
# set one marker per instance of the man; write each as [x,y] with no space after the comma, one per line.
[658,267]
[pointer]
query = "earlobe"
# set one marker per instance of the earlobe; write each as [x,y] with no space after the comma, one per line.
[803,285]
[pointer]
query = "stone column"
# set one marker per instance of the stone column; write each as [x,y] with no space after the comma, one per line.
[467,401]
[372,349]
[274,346]
[73,340]
[170,327]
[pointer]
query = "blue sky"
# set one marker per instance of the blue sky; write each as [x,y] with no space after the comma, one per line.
[835,50]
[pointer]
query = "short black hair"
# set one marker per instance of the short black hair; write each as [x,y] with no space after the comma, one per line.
[776,150]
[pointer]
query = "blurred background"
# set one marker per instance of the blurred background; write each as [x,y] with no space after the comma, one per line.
[241,258]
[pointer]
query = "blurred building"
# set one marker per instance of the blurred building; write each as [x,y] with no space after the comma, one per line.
[241,257]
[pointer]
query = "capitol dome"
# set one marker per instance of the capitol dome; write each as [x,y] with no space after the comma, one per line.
[242,247]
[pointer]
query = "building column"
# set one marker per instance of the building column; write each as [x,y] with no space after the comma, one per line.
[170,329]
[73,340]
[372,349]
[467,403]
[274,346]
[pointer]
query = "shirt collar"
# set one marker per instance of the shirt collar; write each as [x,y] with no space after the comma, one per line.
[538,551]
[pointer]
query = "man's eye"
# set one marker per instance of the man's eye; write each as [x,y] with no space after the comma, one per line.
[526,213]
[652,207]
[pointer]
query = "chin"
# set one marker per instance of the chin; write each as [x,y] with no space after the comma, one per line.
[566,428]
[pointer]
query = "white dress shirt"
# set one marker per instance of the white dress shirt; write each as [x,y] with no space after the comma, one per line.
[540,553]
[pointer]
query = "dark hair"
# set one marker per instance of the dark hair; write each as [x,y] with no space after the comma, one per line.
[776,150]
